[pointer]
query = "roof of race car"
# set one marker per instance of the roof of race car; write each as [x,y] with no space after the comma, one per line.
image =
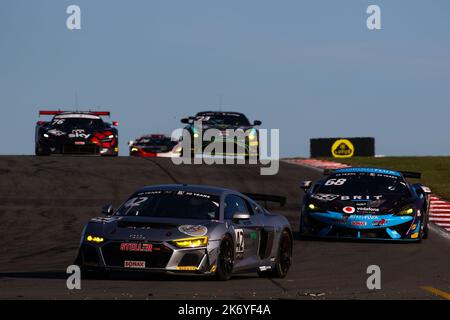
[368,170]
[229,113]
[217,191]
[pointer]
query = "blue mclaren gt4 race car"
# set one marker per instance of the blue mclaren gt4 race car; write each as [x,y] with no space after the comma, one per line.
[366,203]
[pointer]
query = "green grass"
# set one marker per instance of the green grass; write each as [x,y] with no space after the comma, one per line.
[435,170]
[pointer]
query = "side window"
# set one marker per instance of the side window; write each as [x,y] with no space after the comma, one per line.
[254,208]
[234,204]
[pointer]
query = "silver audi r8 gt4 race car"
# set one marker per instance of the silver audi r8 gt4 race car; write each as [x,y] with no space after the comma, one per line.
[189,229]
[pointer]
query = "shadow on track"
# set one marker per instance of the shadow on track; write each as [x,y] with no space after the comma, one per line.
[121,276]
[298,237]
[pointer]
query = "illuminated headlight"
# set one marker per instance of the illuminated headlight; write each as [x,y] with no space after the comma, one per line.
[45,135]
[134,149]
[314,207]
[110,137]
[94,239]
[406,211]
[195,132]
[179,149]
[191,242]
[253,134]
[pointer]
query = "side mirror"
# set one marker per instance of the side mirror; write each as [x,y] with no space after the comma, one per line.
[257,123]
[108,210]
[241,216]
[115,123]
[305,185]
[185,120]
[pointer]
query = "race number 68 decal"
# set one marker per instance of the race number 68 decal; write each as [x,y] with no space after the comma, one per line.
[239,240]
[335,182]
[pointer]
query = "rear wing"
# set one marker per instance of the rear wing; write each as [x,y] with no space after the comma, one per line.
[267,198]
[412,175]
[57,112]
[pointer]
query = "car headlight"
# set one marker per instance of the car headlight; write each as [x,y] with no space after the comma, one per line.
[191,242]
[407,211]
[134,149]
[195,132]
[94,239]
[46,135]
[315,207]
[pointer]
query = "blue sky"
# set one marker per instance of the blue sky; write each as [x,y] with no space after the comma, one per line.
[310,68]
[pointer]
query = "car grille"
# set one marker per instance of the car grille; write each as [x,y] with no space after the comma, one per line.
[156,149]
[158,258]
[74,149]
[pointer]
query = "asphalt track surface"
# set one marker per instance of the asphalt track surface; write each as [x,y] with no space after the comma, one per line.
[45,202]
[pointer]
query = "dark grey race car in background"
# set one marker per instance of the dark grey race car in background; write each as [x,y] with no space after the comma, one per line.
[189,229]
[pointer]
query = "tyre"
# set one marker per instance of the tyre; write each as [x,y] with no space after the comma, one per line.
[40,151]
[284,259]
[225,260]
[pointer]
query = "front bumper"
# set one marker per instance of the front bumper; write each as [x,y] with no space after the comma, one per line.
[164,258]
[364,227]
[227,147]
[76,147]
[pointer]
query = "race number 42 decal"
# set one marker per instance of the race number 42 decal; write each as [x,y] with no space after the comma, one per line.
[239,240]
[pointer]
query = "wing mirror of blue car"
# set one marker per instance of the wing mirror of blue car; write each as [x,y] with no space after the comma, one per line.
[108,209]
[306,185]
[185,120]
[241,216]
[257,123]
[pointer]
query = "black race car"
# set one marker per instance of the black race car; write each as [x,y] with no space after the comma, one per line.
[234,135]
[76,132]
[366,203]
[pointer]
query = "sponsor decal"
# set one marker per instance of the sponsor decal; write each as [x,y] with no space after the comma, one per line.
[379,223]
[346,198]
[324,196]
[134,264]
[193,231]
[80,143]
[368,209]
[342,148]
[79,133]
[56,132]
[359,223]
[348,210]
[136,247]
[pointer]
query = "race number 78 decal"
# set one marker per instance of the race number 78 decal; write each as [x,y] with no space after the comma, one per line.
[239,240]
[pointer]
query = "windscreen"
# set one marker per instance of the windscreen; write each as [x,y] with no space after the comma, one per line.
[364,184]
[230,119]
[171,204]
[65,124]
[155,142]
